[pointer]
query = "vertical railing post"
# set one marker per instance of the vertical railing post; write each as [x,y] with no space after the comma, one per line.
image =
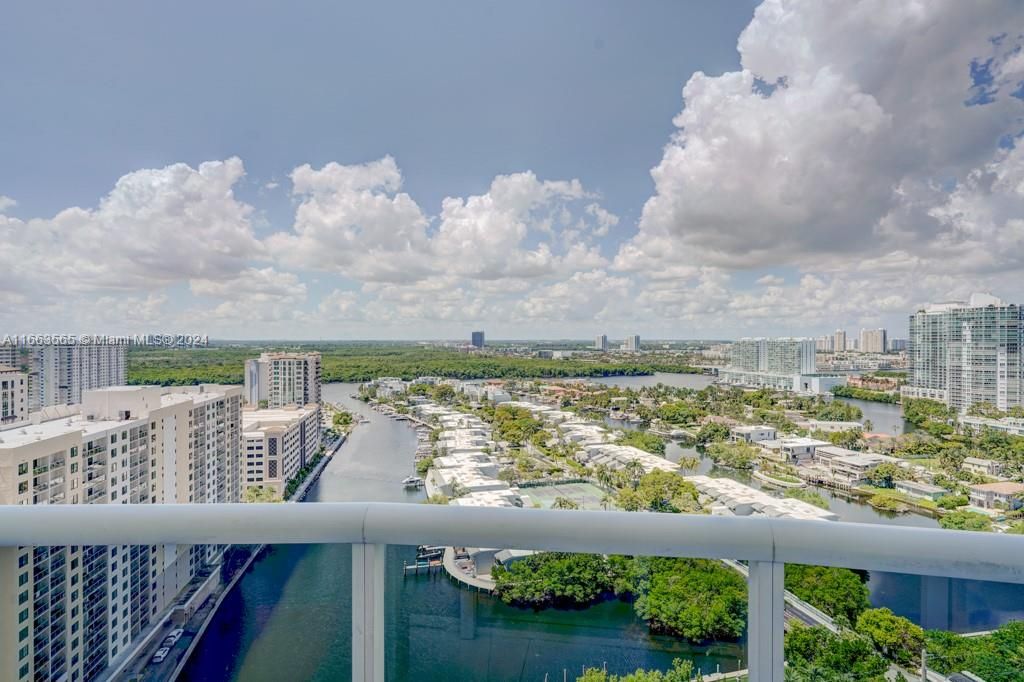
[765,621]
[368,612]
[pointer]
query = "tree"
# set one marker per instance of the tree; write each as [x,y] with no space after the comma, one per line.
[886,473]
[443,393]
[896,637]
[733,455]
[839,592]
[564,503]
[553,578]
[808,496]
[634,470]
[607,501]
[660,491]
[681,671]
[437,498]
[816,654]
[697,599]
[688,463]
[966,520]
[712,432]
[952,501]
[645,440]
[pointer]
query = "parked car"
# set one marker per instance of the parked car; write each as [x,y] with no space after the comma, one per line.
[172,639]
[161,654]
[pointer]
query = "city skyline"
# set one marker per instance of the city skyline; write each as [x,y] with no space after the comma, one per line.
[222,228]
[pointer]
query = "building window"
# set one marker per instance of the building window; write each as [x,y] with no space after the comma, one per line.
[23,468]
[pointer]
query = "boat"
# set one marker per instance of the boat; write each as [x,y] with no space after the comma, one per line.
[364,420]
[412,482]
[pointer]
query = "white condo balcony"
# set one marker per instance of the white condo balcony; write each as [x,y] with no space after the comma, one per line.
[765,545]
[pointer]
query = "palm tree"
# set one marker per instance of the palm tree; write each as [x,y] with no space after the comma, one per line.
[608,501]
[564,503]
[634,470]
[688,463]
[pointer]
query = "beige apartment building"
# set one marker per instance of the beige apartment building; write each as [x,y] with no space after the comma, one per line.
[67,613]
[278,442]
[278,379]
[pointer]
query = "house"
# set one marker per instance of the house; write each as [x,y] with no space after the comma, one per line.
[1003,495]
[985,467]
[752,434]
[791,449]
[924,491]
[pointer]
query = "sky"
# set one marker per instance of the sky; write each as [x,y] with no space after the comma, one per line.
[417,170]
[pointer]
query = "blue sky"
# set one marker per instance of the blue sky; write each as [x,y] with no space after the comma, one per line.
[764,212]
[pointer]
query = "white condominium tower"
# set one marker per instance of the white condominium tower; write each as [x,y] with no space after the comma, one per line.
[964,353]
[283,379]
[57,375]
[70,611]
[601,342]
[632,343]
[774,356]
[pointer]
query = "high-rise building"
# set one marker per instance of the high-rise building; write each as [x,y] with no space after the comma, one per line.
[839,341]
[283,379]
[873,341]
[824,344]
[897,345]
[279,442]
[632,343]
[477,339]
[964,353]
[787,364]
[13,395]
[601,342]
[72,610]
[59,374]
[775,356]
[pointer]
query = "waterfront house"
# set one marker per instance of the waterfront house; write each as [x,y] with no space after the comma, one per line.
[924,491]
[1002,495]
[985,467]
[791,449]
[752,434]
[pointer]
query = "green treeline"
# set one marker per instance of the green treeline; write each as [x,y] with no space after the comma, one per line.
[696,599]
[865,394]
[366,362]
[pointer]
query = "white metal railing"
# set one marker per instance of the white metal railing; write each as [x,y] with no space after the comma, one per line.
[766,544]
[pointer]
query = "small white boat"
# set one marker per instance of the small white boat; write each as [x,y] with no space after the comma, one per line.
[412,482]
[364,421]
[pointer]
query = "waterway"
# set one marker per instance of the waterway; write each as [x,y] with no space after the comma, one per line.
[290,616]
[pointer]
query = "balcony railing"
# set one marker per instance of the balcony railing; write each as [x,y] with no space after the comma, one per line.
[766,544]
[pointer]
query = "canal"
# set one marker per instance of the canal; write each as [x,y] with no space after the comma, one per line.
[290,616]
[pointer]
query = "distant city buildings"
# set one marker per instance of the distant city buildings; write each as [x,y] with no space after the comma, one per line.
[278,442]
[897,345]
[787,364]
[58,374]
[839,341]
[13,395]
[632,343]
[72,610]
[965,353]
[477,339]
[279,379]
[601,342]
[873,341]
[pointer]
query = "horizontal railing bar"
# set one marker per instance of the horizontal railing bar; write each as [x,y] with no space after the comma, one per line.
[955,554]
